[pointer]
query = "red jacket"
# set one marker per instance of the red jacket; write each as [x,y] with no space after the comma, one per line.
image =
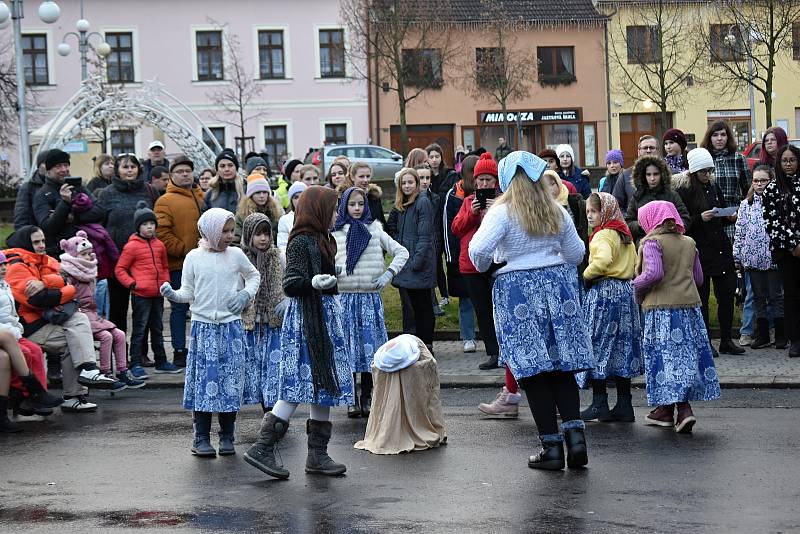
[24,266]
[143,261]
[464,227]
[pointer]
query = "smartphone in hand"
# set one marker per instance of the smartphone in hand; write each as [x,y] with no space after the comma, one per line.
[74,181]
[483,195]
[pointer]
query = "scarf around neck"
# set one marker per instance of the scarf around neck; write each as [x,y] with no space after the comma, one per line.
[358,235]
[268,263]
[610,217]
[80,269]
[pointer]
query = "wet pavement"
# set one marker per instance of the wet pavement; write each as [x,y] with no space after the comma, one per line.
[128,468]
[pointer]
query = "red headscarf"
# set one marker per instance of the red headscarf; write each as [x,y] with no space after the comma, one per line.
[610,216]
[313,217]
[780,136]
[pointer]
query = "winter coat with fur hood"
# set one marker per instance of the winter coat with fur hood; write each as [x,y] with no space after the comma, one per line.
[644,195]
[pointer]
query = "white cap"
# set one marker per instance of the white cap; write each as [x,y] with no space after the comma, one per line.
[397,353]
[699,159]
[155,144]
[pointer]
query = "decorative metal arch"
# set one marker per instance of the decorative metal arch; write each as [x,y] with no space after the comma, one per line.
[92,104]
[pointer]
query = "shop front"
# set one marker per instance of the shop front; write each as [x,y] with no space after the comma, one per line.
[738,120]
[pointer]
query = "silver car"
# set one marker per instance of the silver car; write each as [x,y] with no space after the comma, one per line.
[384,162]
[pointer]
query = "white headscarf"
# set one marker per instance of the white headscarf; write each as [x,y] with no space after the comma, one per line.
[397,353]
[210,226]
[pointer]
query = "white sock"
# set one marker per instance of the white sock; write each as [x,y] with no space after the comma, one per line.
[320,413]
[284,409]
[513,398]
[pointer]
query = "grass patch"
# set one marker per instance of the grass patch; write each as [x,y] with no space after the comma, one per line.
[5,231]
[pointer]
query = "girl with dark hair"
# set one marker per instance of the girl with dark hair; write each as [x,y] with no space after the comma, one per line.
[772,140]
[782,217]
[653,181]
[675,150]
[703,196]
[104,172]
[315,366]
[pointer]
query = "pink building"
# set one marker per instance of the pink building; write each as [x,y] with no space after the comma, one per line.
[293,52]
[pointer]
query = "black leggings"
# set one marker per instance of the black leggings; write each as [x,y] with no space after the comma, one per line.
[548,391]
[419,320]
[724,290]
[118,296]
[479,287]
[789,268]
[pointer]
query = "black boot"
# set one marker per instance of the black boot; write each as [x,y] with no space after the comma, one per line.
[491,363]
[550,458]
[354,411]
[202,435]
[318,462]
[7,426]
[262,454]
[54,376]
[794,349]
[575,439]
[622,412]
[762,334]
[179,357]
[780,333]
[727,346]
[38,394]
[598,410]
[366,394]
[227,426]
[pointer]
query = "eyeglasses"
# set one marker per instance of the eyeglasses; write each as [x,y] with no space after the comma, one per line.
[764,181]
[705,171]
[788,160]
[648,148]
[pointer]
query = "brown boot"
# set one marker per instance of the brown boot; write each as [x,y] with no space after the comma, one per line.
[661,416]
[685,420]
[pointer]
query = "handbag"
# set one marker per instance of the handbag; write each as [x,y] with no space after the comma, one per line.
[60,314]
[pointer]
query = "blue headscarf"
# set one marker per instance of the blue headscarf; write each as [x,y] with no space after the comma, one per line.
[533,165]
[358,236]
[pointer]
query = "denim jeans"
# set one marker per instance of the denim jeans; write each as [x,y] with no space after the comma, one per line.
[101,298]
[748,312]
[148,318]
[177,317]
[466,319]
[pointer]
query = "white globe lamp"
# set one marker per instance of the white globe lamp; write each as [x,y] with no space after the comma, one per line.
[49,12]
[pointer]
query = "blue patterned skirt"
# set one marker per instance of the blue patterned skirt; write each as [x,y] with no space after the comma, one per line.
[215,367]
[295,383]
[613,317]
[679,366]
[263,365]
[540,323]
[366,330]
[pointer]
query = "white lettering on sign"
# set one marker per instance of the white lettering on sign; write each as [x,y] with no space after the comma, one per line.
[493,117]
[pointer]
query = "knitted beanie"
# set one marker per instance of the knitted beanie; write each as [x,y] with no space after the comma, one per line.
[699,159]
[615,155]
[486,165]
[296,188]
[75,245]
[254,162]
[228,155]
[142,215]
[560,149]
[257,185]
[674,134]
[55,157]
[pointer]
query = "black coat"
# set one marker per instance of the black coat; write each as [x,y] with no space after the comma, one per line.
[413,230]
[23,206]
[119,200]
[713,245]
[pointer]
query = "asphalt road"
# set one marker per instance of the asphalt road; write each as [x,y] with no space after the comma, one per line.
[128,467]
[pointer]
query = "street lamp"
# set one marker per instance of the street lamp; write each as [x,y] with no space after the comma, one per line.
[83,36]
[48,13]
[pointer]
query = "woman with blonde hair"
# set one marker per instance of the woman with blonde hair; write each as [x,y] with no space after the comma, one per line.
[226,189]
[541,330]
[258,199]
[416,157]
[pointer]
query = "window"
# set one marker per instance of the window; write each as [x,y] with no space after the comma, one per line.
[123,142]
[34,58]
[796,41]
[120,61]
[489,67]
[331,53]
[335,134]
[219,134]
[209,55]
[727,43]
[270,55]
[422,67]
[643,44]
[275,142]
[556,64]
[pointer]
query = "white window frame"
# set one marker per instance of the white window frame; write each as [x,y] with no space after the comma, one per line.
[193,29]
[348,122]
[51,60]
[137,72]
[317,67]
[137,132]
[287,54]
[289,134]
[226,141]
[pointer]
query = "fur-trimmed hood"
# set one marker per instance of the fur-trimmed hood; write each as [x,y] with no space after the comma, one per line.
[373,190]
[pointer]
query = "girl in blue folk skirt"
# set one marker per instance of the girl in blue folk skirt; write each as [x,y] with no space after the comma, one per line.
[679,366]
[540,324]
[611,310]
[263,318]
[215,367]
[360,245]
[315,366]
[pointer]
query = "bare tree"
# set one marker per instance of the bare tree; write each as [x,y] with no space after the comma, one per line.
[401,46]
[747,41]
[655,54]
[505,71]
[9,111]
[236,97]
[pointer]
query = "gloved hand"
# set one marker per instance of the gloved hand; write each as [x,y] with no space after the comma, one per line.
[167,291]
[383,280]
[323,281]
[281,308]
[237,303]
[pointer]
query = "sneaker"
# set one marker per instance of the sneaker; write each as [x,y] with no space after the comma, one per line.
[504,406]
[745,340]
[470,346]
[660,416]
[444,302]
[685,420]
[167,368]
[138,373]
[93,378]
[129,381]
[117,385]
[77,404]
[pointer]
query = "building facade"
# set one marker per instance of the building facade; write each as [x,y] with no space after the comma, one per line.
[293,54]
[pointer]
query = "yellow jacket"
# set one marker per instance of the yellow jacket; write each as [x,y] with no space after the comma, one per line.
[609,258]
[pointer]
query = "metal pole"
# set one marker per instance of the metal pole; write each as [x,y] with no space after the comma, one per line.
[24,149]
[82,46]
[753,128]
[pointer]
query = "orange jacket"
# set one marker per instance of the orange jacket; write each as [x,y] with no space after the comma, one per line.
[177,212]
[24,266]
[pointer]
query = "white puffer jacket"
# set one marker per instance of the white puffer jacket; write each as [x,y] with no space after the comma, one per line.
[9,320]
[370,265]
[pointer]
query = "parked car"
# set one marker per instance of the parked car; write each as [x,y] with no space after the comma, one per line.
[384,162]
[753,151]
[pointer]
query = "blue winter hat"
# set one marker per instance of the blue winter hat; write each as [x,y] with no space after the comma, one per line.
[533,165]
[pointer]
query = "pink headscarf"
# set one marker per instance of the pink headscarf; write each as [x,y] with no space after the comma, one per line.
[653,214]
[210,226]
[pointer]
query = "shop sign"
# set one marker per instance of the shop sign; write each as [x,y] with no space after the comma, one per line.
[547,115]
[729,114]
